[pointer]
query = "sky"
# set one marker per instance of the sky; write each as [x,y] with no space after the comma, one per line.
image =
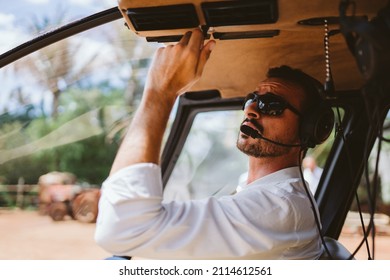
[17,15]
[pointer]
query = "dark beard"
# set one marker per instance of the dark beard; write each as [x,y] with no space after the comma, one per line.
[261,149]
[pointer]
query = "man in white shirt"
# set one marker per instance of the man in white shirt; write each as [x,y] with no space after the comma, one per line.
[270,218]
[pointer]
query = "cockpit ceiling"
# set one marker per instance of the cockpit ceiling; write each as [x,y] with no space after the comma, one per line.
[246,48]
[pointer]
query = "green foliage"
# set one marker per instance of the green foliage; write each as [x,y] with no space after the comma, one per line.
[28,167]
[90,159]
[76,141]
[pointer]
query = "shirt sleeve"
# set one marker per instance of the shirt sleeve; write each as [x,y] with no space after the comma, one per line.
[134,220]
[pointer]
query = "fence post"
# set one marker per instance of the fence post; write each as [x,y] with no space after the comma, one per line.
[20,193]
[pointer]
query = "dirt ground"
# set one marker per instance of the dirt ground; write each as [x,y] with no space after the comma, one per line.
[25,235]
[382,246]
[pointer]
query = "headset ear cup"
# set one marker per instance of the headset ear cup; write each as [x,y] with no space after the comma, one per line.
[316,126]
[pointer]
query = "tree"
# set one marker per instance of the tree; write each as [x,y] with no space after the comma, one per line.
[57,66]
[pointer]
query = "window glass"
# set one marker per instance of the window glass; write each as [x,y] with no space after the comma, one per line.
[63,112]
[65,107]
[210,164]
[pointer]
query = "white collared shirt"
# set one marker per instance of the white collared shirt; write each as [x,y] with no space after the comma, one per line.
[271,218]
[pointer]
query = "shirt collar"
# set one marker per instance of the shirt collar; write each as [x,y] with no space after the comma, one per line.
[281,175]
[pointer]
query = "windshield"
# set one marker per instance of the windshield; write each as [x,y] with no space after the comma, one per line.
[63,112]
[66,106]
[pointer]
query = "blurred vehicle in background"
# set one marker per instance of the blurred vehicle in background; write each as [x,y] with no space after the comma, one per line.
[59,196]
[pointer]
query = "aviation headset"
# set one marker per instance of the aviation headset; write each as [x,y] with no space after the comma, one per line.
[317,120]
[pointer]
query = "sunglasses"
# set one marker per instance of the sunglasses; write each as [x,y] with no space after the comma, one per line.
[269,104]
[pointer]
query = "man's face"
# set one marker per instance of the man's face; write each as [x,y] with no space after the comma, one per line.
[283,128]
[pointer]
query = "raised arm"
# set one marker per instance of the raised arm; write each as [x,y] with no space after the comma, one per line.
[174,70]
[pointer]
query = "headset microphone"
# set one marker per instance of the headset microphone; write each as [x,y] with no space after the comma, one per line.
[256,135]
